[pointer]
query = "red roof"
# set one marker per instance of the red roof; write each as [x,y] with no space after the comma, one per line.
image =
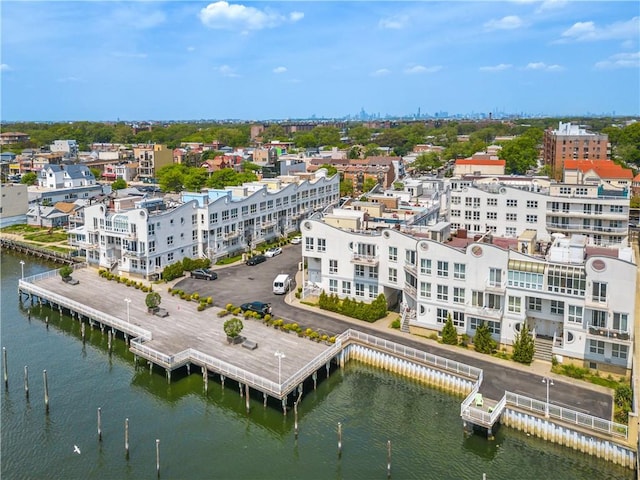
[480,161]
[603,168]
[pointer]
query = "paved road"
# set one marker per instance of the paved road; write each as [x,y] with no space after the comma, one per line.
[240,283]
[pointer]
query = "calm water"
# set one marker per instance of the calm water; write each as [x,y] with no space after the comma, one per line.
[207,436]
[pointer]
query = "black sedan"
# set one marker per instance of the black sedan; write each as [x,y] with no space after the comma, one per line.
[260,308]
[256,259]
[204,274]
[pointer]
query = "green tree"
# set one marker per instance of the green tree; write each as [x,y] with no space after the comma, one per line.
[368,184]
[152,300]
[372,150]
[482,341]
[360,135]
[171,177]
[426,162]
[30,178]
[331,170]
[96,172]
[523,346]
[346,188]
[195,179]
[233,327]
[118,184]
[449,332]
[520,154]
[66,271]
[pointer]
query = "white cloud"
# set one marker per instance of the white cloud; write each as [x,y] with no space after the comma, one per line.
[222,15]
[396,22]
[136,17]
[280,70]
[509,22]
[589,31]
[381,72]
[421,69]
[543,67]
[5,68]
[496,68]
[620,60]
[227,71]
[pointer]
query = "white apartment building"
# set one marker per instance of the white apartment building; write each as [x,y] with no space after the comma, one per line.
[69,148]
[577,298]
[507,206]
[142,236]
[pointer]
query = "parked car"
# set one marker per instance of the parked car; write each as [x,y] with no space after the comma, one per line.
[204,274]
[256,259]
[260,308]
[296,240]
[272,252]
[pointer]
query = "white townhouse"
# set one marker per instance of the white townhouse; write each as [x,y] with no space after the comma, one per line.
[576,298]
[65,176]
[141,236]
[507,206]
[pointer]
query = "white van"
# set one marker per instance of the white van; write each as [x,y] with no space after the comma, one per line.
[282,284]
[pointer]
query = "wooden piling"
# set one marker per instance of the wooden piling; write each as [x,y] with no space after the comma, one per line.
[246,397]
[5,370]
[295,419]
[388,458]
[99,424]
[109,341]
[339,439]
[240,388]
[126,437]
[82,330]
[205,379]
[26,381]
[46,321]
[46,391]
[158,457]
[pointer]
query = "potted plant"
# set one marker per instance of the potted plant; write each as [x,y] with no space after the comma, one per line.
[153,301]
[65,273]
[232,328]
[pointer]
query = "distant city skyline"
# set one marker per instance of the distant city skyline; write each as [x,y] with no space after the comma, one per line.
[250,60]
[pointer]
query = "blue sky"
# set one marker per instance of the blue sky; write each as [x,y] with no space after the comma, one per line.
[181,60]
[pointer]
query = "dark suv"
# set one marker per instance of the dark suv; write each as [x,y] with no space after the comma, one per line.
[256,259]
[204,274]
[260,308]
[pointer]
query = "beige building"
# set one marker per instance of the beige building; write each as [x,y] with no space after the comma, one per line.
[14,204]
[151,158]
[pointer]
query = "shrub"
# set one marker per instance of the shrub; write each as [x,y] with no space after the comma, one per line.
[267,317]
[523,346]
[66,271]
[152,300]
[237,311]
[233,327]
[623,399]
[278,323]
[396,324]
[201,307]
[229,307]
[482,341]
[223,313]
[195,296]
[449,332]
[464,340]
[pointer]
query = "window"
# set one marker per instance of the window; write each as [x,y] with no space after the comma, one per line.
[493,301]
[535,304]
[532,204]
[566,279]
[495,277]
[441,315]
[393,275]
[359,289]
[619,351]
[596,346]
[512,202]
[373,272]
[308,243]
[492,215]
[346,287]
[459,271]
[510,231]
[455,200]
[151,229]
[494,327]
[598,319]
[455,213]
[477,298]
[410,257]
[393,254]
[170,240]
[425,290]
[373,291]
[620,321]
[458,295]
[333,266]
[492,202]
[170,257]
[333,285]
[443,293]
[616,209]
[322,244]
[599,292]
[443,269]
[514,304]
[512,217]
[574,314]
[557,307]
[359,271]
[458,319]
[152,246]
[425,266]
[532,218]
[523,279]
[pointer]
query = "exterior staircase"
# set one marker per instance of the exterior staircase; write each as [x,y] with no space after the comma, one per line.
[543,348]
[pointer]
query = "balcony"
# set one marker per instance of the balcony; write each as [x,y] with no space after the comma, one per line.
[579,227]
[410,289]
[268,224]
[493,286]
[486,312]
[364,259]
[608,333]
[231,235]
[411,268]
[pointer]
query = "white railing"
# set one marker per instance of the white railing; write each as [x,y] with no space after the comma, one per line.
[567,415]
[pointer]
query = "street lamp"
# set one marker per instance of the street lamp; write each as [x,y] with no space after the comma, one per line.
[280,356]
[549,383]
[128,301]
[22,268]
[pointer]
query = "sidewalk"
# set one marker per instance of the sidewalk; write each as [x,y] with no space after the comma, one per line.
[537,367]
